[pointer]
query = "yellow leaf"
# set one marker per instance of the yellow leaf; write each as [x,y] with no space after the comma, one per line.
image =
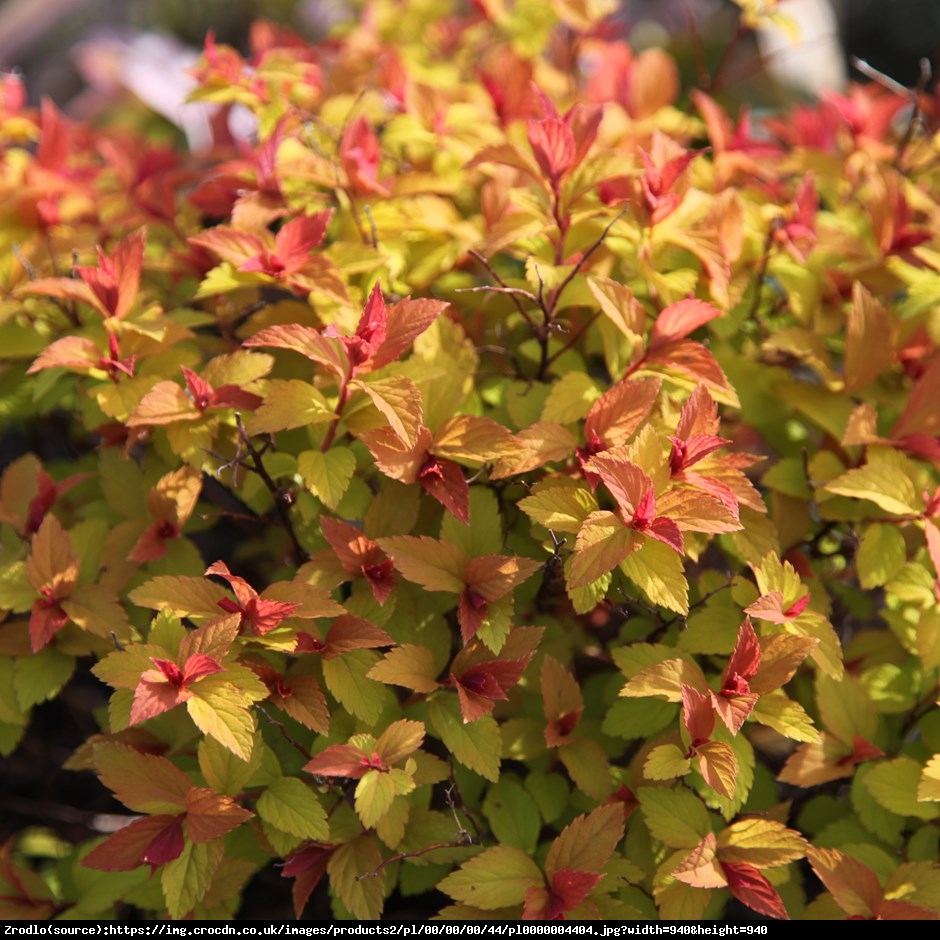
[410,666]
[763,843]
[885,481]
[327,474]
[665,680]
[570,399]
[398,740]
[560,504]
[289,404]
[659,572]
[437,566]
[869,345]
[666,762]
[587,842]
[785,716]
[928,787]
[620,306]
[399,400]
[497,877]
[351,867]
[603,543]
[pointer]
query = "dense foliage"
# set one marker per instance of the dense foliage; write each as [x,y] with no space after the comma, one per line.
[503,475]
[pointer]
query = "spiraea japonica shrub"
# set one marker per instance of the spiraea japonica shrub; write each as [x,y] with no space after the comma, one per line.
[505,485]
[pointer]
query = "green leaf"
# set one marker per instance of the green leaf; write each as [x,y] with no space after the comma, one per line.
[894,784]
[477,745]
[659,573]
[41,676]
[674,816]
[632,718]
[399,401]
[350,869]
[187,879]
[376,791]
[588,768]
[666,762]
[484,535]
[570,398]
[497,877]
[219,711]
[603,542]
[16,593]
[885,482]
[785,716]
[327,474]
[346,678]
[550,792]
[289,404]
[290,805]
[886,825]
[224,771]
[928,789]
[513,816]
[185,597]
[880,556]
[560,504]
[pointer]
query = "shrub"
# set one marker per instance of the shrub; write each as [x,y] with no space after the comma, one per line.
[497,479]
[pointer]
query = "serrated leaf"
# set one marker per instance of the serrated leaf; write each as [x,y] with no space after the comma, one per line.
[512,815]
[477,746]
[288,404]
[291,806]
[894,784]
[41,676]
[928,787]
[666,762]
[220,711]
[350,869]
[603,542]
[225,771]
[497,877]
[785,716]
[187,879]
[376,792]
[410,666]
[347,679]
[185,597]
[885,483]
[881,554]
[588,767]
[763,843]
[327,474]
[587,842]
[399,401]
[570,398]
[718,766]
[437,566]
[659,572]
[560,504]
[674,816]
[144,783]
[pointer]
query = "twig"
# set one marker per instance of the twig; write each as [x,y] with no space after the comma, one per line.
[281,504]
[513,292]
[284,732]
[886,81]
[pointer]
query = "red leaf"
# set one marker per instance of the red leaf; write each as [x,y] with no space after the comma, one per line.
[153,696]
[697,714]
[116,280]
[570,888]
[553,145]
[197,667]
[296,238]
[167,845]
[359,156]
[444,480]
[339,760]
[744,662]
[307,865]
[349,632]
[750,887]
[680,319]
[124,850]
[45,621]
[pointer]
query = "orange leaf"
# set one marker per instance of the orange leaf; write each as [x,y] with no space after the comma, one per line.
[210,815]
